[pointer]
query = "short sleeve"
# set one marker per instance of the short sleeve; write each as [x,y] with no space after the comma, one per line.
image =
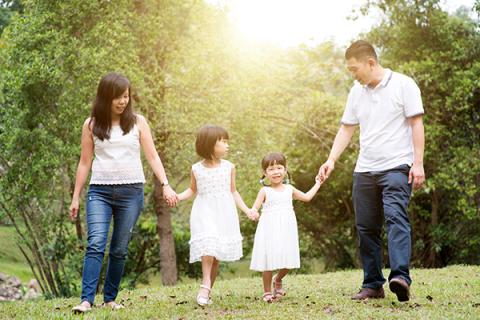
[412,99]
[195,169]
[228,164]
[349,116]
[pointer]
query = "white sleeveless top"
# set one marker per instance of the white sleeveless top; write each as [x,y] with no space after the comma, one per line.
[117,160]
[278,201]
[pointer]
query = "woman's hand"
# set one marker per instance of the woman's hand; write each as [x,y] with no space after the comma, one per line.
[73,211]
[170,196]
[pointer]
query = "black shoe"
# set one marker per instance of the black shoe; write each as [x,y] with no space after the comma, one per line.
[401,288]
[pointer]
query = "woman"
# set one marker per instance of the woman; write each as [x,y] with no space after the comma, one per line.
[114,134]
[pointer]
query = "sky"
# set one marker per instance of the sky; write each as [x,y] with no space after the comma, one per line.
[291,22]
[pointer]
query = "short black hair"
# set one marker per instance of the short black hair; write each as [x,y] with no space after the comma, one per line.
[273,158]
[207,137]
[360,49]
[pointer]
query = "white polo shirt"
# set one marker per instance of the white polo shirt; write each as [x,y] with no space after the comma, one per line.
[382,113]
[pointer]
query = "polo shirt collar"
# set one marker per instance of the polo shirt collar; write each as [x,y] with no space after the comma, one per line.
[386,79]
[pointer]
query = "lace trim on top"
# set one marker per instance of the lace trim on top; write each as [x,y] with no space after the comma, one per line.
[215,181]
[117,160]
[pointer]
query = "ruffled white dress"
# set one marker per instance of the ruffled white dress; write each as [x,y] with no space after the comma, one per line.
[276,239]
[214,224]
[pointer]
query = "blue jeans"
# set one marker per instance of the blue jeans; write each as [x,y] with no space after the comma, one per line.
[379,196]
[124,203]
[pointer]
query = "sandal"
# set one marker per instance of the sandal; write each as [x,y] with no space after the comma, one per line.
[268,297]
[278,289]
[203,301]
[113,305]
[81,308]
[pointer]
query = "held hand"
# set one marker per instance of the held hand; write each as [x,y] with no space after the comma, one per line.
[326,169]
[170,196]
[73,211]
[417,176]
[252,214]
[319,180]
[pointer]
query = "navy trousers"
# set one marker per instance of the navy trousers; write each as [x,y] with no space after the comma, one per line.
[377,197]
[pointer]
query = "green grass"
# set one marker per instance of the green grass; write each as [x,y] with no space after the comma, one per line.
[448,293]
[12,261]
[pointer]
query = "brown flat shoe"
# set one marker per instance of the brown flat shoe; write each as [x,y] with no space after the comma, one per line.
[401,288]
[369,293]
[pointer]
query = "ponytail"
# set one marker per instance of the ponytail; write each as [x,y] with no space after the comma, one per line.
[287,180]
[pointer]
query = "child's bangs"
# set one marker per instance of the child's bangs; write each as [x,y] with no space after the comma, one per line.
[272,159]
[221,133]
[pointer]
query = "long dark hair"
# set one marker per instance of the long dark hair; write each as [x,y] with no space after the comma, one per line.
[112,86]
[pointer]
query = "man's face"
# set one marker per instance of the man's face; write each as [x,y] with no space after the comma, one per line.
[361,70]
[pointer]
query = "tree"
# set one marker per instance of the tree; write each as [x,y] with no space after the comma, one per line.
[52,58]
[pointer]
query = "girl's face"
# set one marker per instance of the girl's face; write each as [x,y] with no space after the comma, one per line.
[221,148]
[276,173]
[120,103]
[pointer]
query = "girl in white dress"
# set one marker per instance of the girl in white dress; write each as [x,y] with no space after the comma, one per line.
[214,226]
[276,239]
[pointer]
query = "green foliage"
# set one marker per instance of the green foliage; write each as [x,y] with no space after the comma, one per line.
[7,9]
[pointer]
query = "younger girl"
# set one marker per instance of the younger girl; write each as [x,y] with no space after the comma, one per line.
[214,226]
[276,239]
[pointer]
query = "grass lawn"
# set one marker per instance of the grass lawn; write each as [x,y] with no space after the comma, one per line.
[12,261]
[448,293]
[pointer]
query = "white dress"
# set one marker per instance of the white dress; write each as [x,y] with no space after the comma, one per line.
[276,238]
[214,225]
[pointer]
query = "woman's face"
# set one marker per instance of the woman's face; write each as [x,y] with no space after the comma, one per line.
[120,103]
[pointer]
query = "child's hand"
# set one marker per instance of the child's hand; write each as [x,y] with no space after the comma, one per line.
[253,214]
[319,179]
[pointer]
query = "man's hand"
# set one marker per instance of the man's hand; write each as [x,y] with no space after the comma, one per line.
[417,176]
[326,169]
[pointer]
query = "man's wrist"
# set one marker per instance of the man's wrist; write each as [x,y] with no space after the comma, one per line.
[332,159]
[164,183]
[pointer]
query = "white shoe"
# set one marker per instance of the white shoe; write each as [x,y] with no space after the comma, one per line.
[202,300]
[81,308]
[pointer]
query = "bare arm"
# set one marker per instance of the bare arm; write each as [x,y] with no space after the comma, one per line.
[259,200]
[306,197]
[190,191]
[153,159]
[342,139]
[83,169]
[238,198]
[417,173]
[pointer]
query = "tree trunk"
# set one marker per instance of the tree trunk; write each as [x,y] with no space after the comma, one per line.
[168,258]
[432,258]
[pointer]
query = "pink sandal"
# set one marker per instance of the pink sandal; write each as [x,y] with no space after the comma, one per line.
[268,297]
[278,289]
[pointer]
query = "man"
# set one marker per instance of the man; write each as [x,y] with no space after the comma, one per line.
[388,108]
